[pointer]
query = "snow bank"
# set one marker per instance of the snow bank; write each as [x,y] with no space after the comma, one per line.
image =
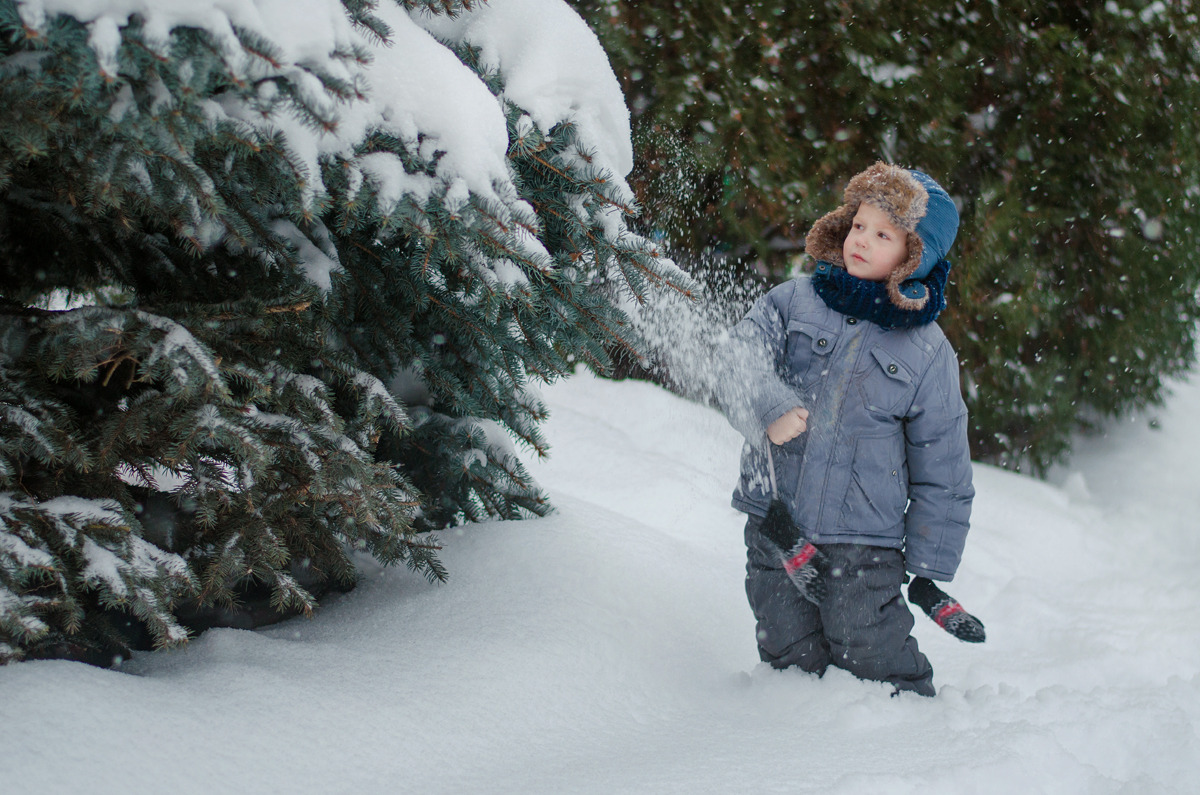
[608,648]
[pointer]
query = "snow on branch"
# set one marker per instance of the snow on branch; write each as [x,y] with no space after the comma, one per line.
[408,85]
[37,539]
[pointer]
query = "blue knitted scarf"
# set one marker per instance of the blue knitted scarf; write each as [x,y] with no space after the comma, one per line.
[867,300]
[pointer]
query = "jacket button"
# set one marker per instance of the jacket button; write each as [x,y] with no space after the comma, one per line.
[852,321]
[821,343]
[893,369]
[894,473]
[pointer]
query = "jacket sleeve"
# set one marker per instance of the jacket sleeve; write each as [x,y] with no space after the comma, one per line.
[939,472]
[749,389]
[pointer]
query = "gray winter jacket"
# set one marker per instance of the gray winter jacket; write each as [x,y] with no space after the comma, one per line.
[885,460]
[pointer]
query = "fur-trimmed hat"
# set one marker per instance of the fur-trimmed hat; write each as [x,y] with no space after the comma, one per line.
[915,203]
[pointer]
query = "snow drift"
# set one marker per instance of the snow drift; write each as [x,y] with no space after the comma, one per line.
[608,648]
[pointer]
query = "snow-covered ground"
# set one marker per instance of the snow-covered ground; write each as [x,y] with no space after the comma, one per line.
[609,648]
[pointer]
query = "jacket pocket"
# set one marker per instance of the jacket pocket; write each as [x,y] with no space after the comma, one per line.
[808,351]
[878,492]
[888,386]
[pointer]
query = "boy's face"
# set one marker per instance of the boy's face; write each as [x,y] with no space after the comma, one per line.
[874,246]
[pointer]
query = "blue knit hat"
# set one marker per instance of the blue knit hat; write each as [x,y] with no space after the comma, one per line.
[938,228]
[915,203]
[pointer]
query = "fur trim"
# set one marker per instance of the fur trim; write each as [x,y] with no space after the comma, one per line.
[916,248]
[898,194]
[824,241]
[901,274]
[891,189]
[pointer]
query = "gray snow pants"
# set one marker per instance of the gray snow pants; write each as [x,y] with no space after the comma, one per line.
[863,625]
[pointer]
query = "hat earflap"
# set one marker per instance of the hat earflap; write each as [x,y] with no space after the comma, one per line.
[824,241]
[914,295]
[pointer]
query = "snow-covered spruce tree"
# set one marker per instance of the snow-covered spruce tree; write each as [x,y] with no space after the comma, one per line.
[226,251]
[483,293]
[1066,130]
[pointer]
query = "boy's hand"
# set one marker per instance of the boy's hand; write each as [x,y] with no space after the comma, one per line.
[789,426]
[807,568]
[804,564]
[945,611]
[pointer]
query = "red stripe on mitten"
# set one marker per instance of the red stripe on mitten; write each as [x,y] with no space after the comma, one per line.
[945,611]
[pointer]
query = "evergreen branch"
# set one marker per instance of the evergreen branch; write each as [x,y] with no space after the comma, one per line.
[626,209]
[113,363]
[295,308]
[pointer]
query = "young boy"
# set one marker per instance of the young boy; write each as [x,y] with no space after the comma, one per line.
[848,396]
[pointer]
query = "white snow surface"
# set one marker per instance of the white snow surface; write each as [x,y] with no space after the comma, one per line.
[608,648]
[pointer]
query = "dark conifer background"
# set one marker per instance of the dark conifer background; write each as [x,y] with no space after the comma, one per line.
[1065,130]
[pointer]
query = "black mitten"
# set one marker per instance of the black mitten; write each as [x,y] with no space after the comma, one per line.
[778,527]
[945,611]
[803,563]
